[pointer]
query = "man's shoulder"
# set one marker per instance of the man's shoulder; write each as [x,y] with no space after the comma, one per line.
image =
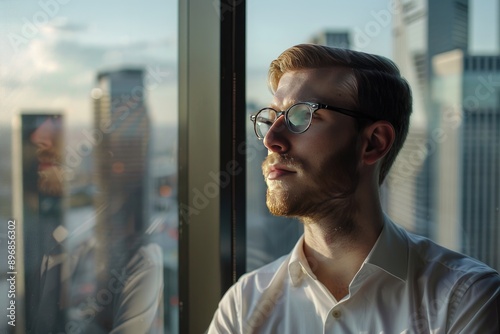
[431,259]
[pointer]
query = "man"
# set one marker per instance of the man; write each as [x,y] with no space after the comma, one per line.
[336,124]
[65,292]
[48,139]
[43,190]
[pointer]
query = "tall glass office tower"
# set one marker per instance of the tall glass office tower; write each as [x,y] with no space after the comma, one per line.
[445,182]
[421,29]
[467,173]
[121,135]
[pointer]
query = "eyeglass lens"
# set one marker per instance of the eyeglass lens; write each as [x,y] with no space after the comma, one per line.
[264,121]
[298,119]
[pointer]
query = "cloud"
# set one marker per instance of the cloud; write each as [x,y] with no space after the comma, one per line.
[62,24]
[57,67]
[65,68]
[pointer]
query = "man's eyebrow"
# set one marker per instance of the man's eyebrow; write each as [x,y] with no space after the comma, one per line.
[287,105]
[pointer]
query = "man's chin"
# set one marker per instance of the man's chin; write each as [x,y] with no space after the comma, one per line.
[279,205]
[49,182]
[278,211]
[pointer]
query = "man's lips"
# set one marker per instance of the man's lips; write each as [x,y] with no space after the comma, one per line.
[276,171]
[45,165]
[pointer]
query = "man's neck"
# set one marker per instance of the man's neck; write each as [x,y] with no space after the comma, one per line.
[336,254]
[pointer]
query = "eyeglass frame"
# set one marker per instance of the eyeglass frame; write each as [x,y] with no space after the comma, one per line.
[315,106]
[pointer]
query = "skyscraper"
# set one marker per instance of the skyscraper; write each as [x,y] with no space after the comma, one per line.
[121,135]
[422,29]
[468,173]
[337,39]
[448,175]
[39,180]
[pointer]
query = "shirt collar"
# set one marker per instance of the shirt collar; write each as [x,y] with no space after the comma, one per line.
[390,253]
[298,265]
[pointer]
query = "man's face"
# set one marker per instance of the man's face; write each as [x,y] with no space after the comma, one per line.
[313,173]
[47,139]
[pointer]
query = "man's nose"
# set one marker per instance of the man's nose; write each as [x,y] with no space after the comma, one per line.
[42,137]
[276,139]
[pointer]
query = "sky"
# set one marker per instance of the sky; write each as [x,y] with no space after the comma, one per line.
[52,50]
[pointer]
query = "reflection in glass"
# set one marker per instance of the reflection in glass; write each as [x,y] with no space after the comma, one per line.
[94,185]
[105,275]
[43,188]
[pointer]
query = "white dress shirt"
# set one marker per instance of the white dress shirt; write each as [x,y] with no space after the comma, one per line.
[407,284]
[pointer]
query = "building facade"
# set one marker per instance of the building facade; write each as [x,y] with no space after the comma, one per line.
[468,173]
[421,29]
[334,38]
[121,151]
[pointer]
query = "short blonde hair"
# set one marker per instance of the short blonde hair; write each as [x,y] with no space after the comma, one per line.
[381,91]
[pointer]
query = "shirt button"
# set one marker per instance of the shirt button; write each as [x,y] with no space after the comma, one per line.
[336,314]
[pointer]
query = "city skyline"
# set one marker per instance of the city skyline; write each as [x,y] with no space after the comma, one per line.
[70,45]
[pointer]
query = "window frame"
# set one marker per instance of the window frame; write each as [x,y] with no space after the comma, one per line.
[212,229]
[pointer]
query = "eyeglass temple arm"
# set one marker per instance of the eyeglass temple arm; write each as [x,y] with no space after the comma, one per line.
[355,114]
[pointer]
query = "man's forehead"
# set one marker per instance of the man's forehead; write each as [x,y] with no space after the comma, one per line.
[315,85]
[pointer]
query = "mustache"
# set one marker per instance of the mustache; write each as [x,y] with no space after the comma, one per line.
[280,159]
[49,156]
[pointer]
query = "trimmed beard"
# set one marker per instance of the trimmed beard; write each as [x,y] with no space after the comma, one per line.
[50,181]
[330,192]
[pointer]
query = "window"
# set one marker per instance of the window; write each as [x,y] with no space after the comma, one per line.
[269,237]
[430,188]
[126,164]
[89,165]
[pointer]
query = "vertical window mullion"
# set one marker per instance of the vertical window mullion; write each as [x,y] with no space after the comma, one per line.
[232,134]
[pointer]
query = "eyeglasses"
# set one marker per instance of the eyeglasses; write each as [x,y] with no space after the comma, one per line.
[298,117]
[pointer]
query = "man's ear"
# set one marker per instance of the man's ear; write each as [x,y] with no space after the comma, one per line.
[378,139]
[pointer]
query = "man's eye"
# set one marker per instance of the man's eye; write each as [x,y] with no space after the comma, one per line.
[316,115]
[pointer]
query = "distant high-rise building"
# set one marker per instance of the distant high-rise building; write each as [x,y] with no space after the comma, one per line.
[38,203]
[422,29]
[337,39]
[468,173]
[121,135]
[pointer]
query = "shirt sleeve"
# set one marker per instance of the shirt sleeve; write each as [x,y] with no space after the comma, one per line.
[226,319]
[140,300]
[478,310]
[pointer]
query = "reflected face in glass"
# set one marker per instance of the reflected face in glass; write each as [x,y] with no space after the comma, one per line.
[47,138]
[314,172]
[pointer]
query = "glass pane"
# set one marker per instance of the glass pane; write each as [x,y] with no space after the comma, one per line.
[444,184]
[88,199]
